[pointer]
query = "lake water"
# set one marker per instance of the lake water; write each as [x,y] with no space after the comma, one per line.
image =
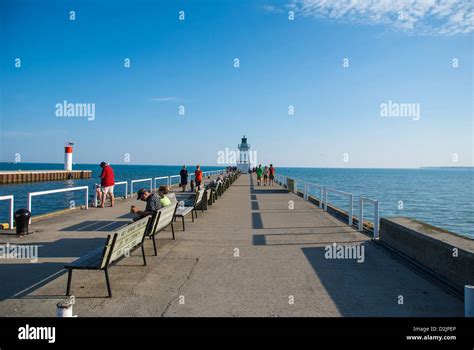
[440,197]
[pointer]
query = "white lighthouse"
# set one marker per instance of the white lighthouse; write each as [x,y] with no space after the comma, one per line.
[243,164]
[68,156]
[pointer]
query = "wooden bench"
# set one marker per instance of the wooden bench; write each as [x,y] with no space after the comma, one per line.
[182,211]
[215,191]
[164,218]
[117,246]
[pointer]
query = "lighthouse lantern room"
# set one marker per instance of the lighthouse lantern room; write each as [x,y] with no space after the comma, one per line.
[243,164]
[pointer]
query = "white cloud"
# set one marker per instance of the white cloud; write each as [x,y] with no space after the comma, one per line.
[443,17]
[272,9]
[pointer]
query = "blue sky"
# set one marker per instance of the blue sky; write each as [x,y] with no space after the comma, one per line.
[282,63]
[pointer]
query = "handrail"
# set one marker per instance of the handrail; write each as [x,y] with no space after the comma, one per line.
[321,192]
[117,183]
[347,194]
[281,179]
[10,198]
[132,182]
[376,214]
[60,190]
[140,180]
[161,178]
[171,177]
[126,186]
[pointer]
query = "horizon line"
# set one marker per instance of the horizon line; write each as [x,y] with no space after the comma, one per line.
[282,166]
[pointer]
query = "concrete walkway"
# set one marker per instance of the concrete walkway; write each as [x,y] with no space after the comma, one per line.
[248,255]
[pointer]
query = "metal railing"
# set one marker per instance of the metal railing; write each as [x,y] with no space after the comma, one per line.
[376,214]
[161,178]
[126,186]
[171,181]
[140,180]
[152,181]
[10,198]
[116,184]
[347,194]
[308,185]
[42,193]
[324,202]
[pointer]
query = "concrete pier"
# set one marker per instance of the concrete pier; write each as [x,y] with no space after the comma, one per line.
[249,254]
[19,176]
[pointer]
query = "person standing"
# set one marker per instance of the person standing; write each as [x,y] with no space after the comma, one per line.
[107,182]
[271,174]
[198,177]
[259,172]
[265,176]
[184,178]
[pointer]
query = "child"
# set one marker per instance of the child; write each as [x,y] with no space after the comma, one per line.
[192,185]
[164,200]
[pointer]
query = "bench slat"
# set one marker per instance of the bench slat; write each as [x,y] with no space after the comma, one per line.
[166,217]
[128,238]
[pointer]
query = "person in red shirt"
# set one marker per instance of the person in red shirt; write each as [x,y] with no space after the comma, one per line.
[271,172]
[198,176]
[107,183]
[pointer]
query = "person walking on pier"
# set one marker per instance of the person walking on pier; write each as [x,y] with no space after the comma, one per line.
[271,175]
[198,177]
[152,200]
[184,178]
[107,182]
[259,172]
[265,176]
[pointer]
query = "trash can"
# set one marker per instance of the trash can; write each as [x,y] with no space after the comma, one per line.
[22,220]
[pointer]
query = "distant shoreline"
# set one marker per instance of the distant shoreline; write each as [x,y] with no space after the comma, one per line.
[447,167]
[280,166]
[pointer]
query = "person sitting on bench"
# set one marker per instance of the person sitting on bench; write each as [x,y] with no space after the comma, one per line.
[164,200]
[152,204]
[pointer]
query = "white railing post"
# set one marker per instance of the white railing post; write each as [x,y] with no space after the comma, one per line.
[12,204]
[28,203]
[376,215]
[376,219]
[126,186]
[87,197]
[325,199]
[140,180]
[361,214]
[347,194]
[321,192]
[42,193]
[11,199]
[171,177]
[351,208]
[161,178]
